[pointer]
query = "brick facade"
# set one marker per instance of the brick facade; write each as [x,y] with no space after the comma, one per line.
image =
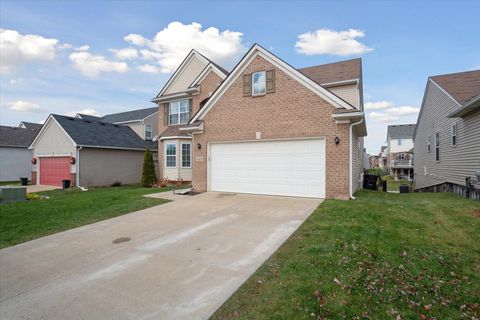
[292,111]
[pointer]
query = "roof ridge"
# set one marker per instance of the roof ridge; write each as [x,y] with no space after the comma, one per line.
[330,63]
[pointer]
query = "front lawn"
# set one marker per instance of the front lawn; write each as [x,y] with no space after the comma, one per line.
[382,256]
[23,221]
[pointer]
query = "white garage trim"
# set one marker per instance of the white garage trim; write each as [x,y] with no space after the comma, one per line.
[316,148]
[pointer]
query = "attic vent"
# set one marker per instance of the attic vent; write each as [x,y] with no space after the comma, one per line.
[102,124]
[116,125]
[87,121]
[71,119]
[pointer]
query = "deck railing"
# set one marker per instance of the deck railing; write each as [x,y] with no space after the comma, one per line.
[401,163]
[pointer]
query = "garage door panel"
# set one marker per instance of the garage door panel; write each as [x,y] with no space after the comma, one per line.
[53,170]
[290,167]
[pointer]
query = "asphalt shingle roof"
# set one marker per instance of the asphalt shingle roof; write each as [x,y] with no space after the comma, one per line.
[101,134]
[334,72]
[32,125]
[404,131]
[17,137]
[138,114]
[462,86]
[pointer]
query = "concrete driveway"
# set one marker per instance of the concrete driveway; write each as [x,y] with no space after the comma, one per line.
[184,259]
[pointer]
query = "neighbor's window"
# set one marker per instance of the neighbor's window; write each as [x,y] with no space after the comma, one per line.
[454,135]
[428,144]
[148,131]
[178,112]
[259,80]
[186,155]
[171,155]
[437,146]
[401,156]
[399,142]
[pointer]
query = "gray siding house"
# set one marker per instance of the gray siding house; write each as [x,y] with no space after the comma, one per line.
[15,158]
[447,136]
[90,151]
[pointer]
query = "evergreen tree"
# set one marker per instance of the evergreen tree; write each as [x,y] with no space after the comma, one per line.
[149,177]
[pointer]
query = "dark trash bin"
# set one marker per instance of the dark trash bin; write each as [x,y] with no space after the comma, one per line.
[65,184]
[370,182]
[384,185]
[404,188]
[24,181]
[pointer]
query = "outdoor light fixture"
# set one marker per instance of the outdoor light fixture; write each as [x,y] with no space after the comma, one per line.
[337,140]
[199,146]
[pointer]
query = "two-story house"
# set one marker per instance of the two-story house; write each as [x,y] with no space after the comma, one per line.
[263,128]
[399,151]
[447,136]
[94,151]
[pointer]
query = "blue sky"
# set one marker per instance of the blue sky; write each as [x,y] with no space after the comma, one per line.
[52,71]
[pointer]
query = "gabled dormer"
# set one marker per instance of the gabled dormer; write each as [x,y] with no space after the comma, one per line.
[188,89]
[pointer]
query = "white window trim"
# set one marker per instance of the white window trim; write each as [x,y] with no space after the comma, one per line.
[145,131]
[454,135]
[181,155]
[176,153]
[253,84]
[179,113]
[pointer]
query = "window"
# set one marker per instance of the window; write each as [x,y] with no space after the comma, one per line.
[155,157]
[171,155]
[454,135]
[401,156]
[179,112]
[259,81]
[148,131]
[437,146]
[399,142]
[186,155]
[428,145]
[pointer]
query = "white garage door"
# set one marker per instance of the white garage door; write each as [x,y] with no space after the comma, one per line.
[287,167]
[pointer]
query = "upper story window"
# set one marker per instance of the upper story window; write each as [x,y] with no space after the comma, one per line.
[428,144]
[454,135]
[401,156]
[399,142]
[259,83]
[437,146]
[178,112]
[148,132]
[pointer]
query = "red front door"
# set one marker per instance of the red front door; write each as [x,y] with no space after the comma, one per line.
[53,170]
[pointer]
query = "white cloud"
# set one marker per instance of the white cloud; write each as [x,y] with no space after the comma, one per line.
[16,49]
[25,106]
[88,111]
[92,65]
[325,41]
[389,112]
[148,68]
[125,54]
[83,48]
[170,46]
[378,105]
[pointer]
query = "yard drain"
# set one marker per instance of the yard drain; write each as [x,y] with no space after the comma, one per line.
[121,239]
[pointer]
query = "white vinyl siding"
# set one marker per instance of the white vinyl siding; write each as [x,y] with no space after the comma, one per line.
[283,167]
[455,163]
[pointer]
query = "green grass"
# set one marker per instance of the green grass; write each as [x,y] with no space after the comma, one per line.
[382,256]
[9,183]
[393,185]
[23,221]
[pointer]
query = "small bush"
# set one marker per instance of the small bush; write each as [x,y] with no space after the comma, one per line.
[33,196]
[149,177]
[116,184]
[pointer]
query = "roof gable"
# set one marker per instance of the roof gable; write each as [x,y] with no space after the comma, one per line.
[255,51]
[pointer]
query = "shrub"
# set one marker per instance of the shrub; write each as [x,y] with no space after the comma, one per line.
[149,177]
[116,184]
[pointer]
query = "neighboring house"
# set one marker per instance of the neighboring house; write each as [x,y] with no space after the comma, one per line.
[366,159]
[400,151]
[15,158]
[143,121]
[382,161]
[265,127]
[88,152]
[374,161]
[447,137]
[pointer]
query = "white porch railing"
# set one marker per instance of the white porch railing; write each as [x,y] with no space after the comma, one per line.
[401,163]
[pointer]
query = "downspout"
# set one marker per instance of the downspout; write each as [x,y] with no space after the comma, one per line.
[77,175]
[351,157]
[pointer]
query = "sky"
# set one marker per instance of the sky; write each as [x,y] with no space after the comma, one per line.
[101,57]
